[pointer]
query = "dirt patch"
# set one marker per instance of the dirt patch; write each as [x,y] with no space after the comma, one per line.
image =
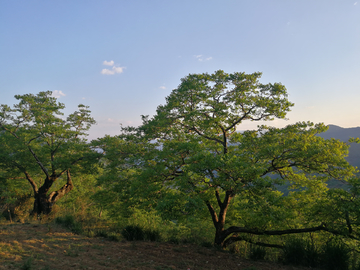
[39,246]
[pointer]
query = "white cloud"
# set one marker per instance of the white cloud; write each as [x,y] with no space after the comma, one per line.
[110,120]
[57,94]
[162,87]
[110,63]
[107,72]
[118,69]
[200,58]
[113,70]
[355,3]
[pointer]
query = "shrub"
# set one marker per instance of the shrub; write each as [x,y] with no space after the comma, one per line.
[132,232]
[257,253]
[298,251]
[294,251]
[113,237]
[335,256]
[312,255]
[152,235]
[69,222]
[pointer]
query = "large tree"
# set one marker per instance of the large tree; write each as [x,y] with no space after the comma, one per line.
[200,152]
[41,146]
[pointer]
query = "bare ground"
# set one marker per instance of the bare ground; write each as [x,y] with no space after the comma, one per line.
[42,246]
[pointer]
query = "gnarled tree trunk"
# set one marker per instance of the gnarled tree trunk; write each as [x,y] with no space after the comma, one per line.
[44,202]
[219,220]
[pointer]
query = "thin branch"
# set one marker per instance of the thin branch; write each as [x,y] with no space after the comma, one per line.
[206,137]
[39,162]
[31,181]
[241,118]
[72,163]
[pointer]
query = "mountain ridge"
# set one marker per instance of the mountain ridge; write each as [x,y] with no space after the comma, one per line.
[344,134]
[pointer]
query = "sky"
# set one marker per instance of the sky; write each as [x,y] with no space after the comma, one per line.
[122,58]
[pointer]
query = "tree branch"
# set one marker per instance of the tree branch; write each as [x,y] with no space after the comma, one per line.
[39,162]
[322,227]
[234,239]
[31,181]
[212,213]
[206,137]
[56,195]
[240,119]
[234,229]
[218,198]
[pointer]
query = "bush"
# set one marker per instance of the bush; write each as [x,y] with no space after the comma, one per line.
[298,251]
[335,256]
[18,208]
[69,222]
[132,233]
[312,255]
[113,237]
[294,251]
[152,235]
[257,253]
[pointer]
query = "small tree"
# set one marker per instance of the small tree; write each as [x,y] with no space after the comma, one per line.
[38,145]
[200,153]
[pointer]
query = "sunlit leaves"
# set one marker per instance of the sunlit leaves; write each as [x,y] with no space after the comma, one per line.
[38,144]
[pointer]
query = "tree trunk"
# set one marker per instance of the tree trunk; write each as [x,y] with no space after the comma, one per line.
[219,237]
[219,220]
[43,203]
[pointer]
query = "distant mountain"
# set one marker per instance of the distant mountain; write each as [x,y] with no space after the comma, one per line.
[340,133]
[344,134]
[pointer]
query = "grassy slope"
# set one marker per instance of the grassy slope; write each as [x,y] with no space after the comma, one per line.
[42,246]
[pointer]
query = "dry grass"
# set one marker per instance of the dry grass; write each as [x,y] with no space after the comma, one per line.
[41,246]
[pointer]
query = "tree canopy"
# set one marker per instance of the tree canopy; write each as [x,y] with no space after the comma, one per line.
[41,146]
[194,150]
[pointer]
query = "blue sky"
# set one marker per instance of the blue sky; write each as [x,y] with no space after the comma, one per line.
[122,58]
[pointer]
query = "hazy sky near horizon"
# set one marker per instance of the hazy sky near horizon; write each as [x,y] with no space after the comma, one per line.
[122,58]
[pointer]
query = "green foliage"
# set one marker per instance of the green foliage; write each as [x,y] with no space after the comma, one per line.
[299,251]
[113,236]
[39,147]
[335,256]
[192,161]
[295,251]
[153,235]
[70,222]
[257,253]
[132,233]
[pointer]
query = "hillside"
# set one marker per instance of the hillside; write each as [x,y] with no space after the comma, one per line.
[344,134]
[47,246]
